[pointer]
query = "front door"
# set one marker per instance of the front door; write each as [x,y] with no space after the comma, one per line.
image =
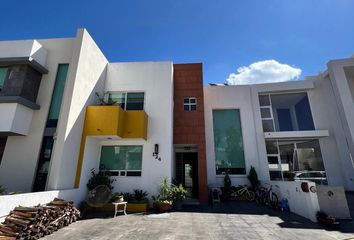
[187,172]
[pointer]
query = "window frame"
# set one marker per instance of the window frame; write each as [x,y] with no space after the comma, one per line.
[270,94]
[221,175]
[125,172]
[126,98]
[189,104]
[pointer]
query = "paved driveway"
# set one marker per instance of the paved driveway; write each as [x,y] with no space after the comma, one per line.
[227,221]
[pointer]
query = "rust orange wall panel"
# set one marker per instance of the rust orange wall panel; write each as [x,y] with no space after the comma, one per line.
[189,127]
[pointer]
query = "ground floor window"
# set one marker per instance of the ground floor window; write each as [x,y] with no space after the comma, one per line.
[296,161]
[121,160]
[228,142]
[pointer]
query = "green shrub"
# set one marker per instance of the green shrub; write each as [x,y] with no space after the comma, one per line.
[100,178]
[140,195]
[2,190]
[253,177]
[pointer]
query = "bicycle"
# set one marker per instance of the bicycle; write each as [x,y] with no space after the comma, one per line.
[242,192]
[267,197]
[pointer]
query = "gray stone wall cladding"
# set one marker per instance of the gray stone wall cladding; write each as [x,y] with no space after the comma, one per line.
[23,81]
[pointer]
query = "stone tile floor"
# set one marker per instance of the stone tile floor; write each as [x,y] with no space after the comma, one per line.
[238,220]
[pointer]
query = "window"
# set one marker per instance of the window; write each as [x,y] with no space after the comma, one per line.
[3,73]
[296,161]
[128,100]
[285,112]
[228,142]
[190,104]
[121,160]
[57,96]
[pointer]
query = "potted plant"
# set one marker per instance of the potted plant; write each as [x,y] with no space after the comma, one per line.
[253,178]
[179,194]
[139,203]
[100,178]
[2,190]
[163,201]
[226,189]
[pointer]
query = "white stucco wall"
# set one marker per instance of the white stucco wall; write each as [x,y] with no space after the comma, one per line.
[329,130]
[17,119]
[19,162]
[344,99]
[85,77]
[232,97]
[155,80]
[302,203]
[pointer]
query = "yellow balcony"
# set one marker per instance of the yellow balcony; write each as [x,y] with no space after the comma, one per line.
[113,120]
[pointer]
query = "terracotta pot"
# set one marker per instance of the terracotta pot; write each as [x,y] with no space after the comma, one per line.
[163,207]
[120,199]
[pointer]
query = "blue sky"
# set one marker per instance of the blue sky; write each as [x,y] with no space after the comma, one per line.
[223,35]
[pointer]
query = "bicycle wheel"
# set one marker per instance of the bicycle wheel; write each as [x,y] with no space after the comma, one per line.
[250,195]
[273,201]
[233,196]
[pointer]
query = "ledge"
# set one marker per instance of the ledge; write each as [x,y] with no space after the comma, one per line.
[296,134]
[24,60]
[20,100]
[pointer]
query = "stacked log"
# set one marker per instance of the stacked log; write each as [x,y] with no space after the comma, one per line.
[36,222]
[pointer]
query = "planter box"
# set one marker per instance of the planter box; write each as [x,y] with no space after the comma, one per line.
[137,207]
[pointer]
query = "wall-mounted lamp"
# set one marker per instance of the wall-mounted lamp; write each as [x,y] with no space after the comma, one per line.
[156,152]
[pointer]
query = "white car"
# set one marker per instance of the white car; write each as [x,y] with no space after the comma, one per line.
[318,177]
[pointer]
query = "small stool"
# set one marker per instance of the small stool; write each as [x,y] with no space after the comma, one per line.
[116,204]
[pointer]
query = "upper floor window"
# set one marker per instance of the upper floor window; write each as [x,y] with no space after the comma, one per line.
[190,104]
[128,100]
[3,72]
[286,112]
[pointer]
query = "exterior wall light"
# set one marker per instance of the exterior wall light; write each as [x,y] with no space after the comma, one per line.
[156,152]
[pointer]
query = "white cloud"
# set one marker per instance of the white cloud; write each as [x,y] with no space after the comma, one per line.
[266,71]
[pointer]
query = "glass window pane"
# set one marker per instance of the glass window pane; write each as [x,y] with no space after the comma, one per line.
[264,100]
[121,158]
[186,107]
[228,142]
[135,101]
[134,157]
[272,159]
[118,98]
[272,147]
[3,72]
[268,125]
[292,112]
[186,100]
[304,115]
[110,159]
[265,113]
[193,107]
[192,100]
[284,119]
[57,96]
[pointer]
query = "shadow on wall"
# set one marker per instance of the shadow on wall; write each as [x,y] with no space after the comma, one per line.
[68,162]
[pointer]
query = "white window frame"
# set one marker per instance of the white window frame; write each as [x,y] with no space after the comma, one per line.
[126,97]
[123,173]
[189,104]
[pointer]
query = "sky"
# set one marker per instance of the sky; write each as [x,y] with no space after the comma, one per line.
[238,41]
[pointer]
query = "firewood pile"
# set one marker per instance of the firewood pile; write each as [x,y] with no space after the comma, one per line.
[36,222]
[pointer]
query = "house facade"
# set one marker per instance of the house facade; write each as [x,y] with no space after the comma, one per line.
[65,110]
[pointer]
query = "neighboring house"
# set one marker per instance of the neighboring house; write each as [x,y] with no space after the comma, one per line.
[163,122]
[297,130]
